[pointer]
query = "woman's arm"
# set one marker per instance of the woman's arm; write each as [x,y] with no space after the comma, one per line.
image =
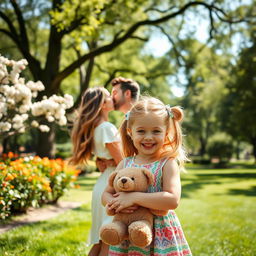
[114,149]
[107,195]
[167,199]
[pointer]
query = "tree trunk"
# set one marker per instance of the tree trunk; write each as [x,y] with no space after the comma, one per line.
[5,145]
[45,143]
[238,150]
[253,140]
[202,150]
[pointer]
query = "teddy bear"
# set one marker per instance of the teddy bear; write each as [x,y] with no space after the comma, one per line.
[136,226]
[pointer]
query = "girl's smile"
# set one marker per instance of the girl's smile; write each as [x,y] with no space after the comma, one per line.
[148,134]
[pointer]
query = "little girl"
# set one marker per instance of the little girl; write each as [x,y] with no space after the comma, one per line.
[94,135]
[152,138]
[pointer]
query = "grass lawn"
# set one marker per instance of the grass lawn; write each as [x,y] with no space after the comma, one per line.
[217,212]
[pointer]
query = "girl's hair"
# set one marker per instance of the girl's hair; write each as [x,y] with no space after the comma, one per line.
[88,118]
[172,147]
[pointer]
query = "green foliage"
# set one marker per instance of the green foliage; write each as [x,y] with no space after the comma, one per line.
[85,11]
[206,73]
[240,101]
[220,146]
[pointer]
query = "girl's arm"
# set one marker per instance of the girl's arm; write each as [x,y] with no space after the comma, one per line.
[114,149]
[167,199]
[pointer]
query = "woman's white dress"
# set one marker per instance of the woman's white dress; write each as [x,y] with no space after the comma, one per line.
[103,133]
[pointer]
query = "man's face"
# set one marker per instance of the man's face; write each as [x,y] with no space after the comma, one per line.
[118,97]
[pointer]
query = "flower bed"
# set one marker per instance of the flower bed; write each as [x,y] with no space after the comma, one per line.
[32,181]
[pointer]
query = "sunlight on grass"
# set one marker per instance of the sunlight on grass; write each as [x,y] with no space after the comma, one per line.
[63,235]
[217,213]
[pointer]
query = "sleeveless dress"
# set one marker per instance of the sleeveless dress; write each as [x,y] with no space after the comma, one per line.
[168,238]
[103,133]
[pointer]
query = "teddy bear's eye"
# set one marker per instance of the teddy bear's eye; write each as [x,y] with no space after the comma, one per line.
[133,178]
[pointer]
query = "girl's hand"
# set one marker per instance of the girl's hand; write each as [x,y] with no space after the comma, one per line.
[110,212]
[121,201]
[130,209]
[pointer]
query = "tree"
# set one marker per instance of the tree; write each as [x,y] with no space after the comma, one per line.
[18,110]
[239,112]
[206,73]
[103,25]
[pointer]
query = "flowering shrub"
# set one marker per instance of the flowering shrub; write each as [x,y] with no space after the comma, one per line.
[32,181]
[18,108]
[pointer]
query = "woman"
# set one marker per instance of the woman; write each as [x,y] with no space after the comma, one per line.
[94,135]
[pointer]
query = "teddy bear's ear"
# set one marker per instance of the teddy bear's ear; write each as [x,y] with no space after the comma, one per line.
[111,178]
[149,176]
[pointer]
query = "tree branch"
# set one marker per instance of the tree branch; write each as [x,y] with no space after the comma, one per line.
[15,36]
[9,34]
[23,32]
[177,54]
[117,41]
[158,10]
[140,38]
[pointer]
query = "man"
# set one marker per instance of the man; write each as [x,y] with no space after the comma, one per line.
[125,92]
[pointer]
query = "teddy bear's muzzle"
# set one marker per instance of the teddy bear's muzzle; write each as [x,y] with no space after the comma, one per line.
[123,180]
[125,184]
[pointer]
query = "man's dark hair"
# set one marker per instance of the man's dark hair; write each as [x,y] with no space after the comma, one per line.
[127,84]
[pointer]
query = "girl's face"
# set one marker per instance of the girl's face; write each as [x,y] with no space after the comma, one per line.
[148,133]
[108,104]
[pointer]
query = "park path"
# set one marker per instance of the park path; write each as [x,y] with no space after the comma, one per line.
[39,214]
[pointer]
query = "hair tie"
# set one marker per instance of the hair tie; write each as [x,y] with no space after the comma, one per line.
[169,111]
[127,115]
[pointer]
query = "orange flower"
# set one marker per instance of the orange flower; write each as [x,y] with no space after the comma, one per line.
[25,172]
[10,154]
[9,177]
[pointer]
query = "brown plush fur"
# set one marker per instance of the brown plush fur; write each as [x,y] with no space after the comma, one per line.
[136,226]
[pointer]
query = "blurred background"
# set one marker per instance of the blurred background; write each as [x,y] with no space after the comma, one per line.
[200,55]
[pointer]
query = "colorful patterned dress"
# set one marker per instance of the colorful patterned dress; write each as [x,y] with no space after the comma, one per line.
[169,238]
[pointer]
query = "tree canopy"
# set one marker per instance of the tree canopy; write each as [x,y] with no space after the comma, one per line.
[59,38]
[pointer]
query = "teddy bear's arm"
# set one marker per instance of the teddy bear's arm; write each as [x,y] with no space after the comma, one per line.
[159,212]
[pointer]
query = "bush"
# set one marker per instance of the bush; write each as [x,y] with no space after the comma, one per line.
[220,146]
[32,181]
[200,160]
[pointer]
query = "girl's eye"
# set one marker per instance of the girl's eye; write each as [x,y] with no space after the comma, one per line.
[156,131]
[140,131]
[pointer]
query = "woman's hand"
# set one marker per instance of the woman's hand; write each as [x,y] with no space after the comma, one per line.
[121,201]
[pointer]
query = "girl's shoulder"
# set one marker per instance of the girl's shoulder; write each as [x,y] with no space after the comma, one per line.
[171,164]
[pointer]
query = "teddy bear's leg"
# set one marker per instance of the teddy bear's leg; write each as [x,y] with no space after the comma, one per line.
[140,233]
[113,233]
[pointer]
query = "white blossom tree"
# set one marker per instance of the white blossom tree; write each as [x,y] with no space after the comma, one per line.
[19,109]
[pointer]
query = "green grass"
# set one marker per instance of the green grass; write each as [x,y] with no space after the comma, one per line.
[217,213]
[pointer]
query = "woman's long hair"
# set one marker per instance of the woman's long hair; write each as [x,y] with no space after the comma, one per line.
[83,130]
